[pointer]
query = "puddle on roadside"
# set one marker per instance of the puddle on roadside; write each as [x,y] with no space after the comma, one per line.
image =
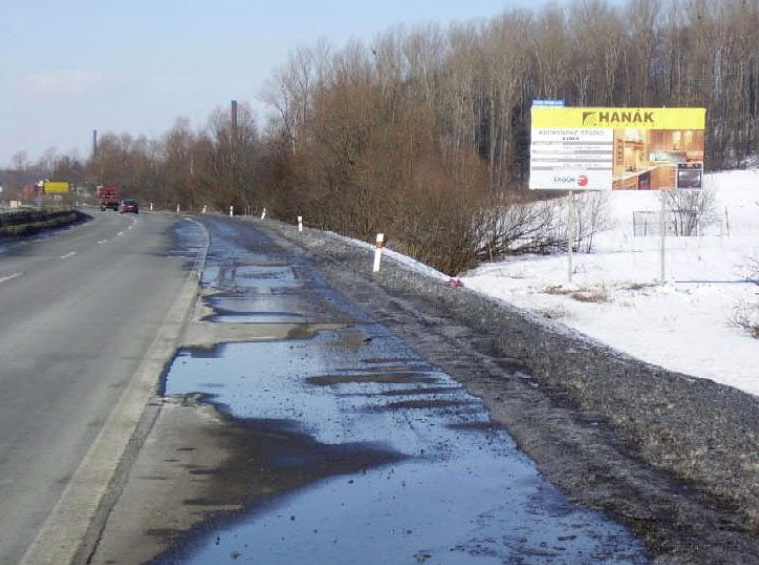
[458,490]
[382,457]
[388,378]
[249,276]
[301,300]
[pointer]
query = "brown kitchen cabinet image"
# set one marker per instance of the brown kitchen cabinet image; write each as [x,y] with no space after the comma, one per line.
[630,152]
[627,183]
[664,177]
[690,142]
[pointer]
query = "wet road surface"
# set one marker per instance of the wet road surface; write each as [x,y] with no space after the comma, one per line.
[79,310]
[344,445]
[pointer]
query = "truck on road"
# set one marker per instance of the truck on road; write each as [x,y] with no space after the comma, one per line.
[108,197]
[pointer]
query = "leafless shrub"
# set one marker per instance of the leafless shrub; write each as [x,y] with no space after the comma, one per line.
[509,225]
[512,225]
[746,315]
[752,267]
[692,210]
[592,216]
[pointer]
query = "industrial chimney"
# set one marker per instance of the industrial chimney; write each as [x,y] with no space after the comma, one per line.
[234,119]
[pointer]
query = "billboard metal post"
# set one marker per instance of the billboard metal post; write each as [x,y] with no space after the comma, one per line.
[663,232]
[570,232]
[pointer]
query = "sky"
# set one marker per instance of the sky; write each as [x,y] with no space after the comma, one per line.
[68,68]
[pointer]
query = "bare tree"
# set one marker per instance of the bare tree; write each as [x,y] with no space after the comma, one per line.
[592,217]
[228,160]
[692,210]
[639,61]
[20,160]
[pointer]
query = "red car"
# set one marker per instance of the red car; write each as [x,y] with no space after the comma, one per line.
[129,205]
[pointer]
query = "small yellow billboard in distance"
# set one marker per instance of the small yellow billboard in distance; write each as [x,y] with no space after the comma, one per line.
[53,187]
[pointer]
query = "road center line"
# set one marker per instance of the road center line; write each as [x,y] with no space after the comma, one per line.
[69,254]
[15,275]
[120,233]
[103,241]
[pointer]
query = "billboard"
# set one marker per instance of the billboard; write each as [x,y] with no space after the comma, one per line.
[52,187]
[616,148]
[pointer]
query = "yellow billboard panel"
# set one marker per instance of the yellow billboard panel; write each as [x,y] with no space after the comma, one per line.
[52,187]
[619,118]
[616,148]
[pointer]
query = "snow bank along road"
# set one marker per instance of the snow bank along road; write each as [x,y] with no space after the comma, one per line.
[672,457]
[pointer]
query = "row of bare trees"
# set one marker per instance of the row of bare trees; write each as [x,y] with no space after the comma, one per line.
[214,168]
[477,80]
[423,133]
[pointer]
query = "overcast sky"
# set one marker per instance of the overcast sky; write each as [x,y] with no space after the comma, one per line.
[68,68]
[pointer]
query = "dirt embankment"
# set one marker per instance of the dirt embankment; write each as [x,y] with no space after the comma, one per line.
[32,222]
[674,457]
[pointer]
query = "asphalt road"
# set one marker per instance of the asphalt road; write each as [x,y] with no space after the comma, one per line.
[79,309]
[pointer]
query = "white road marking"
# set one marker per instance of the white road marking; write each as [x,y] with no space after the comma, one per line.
[102,241]
[69,254]
[120,233]
[15,275]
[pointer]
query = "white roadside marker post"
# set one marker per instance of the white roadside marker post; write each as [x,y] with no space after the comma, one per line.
[263,214]
[231,211]
[378,251]
[204,209]
[300,223]
[177,208]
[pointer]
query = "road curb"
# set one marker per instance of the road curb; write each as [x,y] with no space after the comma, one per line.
[64,535]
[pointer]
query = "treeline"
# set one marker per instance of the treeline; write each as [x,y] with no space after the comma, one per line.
[424,133]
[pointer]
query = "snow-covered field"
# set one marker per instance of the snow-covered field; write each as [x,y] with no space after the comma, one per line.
[685,324]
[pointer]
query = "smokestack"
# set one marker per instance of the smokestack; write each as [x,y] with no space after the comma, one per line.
[94,143]
[234,119]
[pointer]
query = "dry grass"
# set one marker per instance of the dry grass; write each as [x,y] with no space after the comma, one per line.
[639,286]
[588,294]
[596,296]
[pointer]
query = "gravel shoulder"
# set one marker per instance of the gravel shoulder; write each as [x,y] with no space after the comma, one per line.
[673,457]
